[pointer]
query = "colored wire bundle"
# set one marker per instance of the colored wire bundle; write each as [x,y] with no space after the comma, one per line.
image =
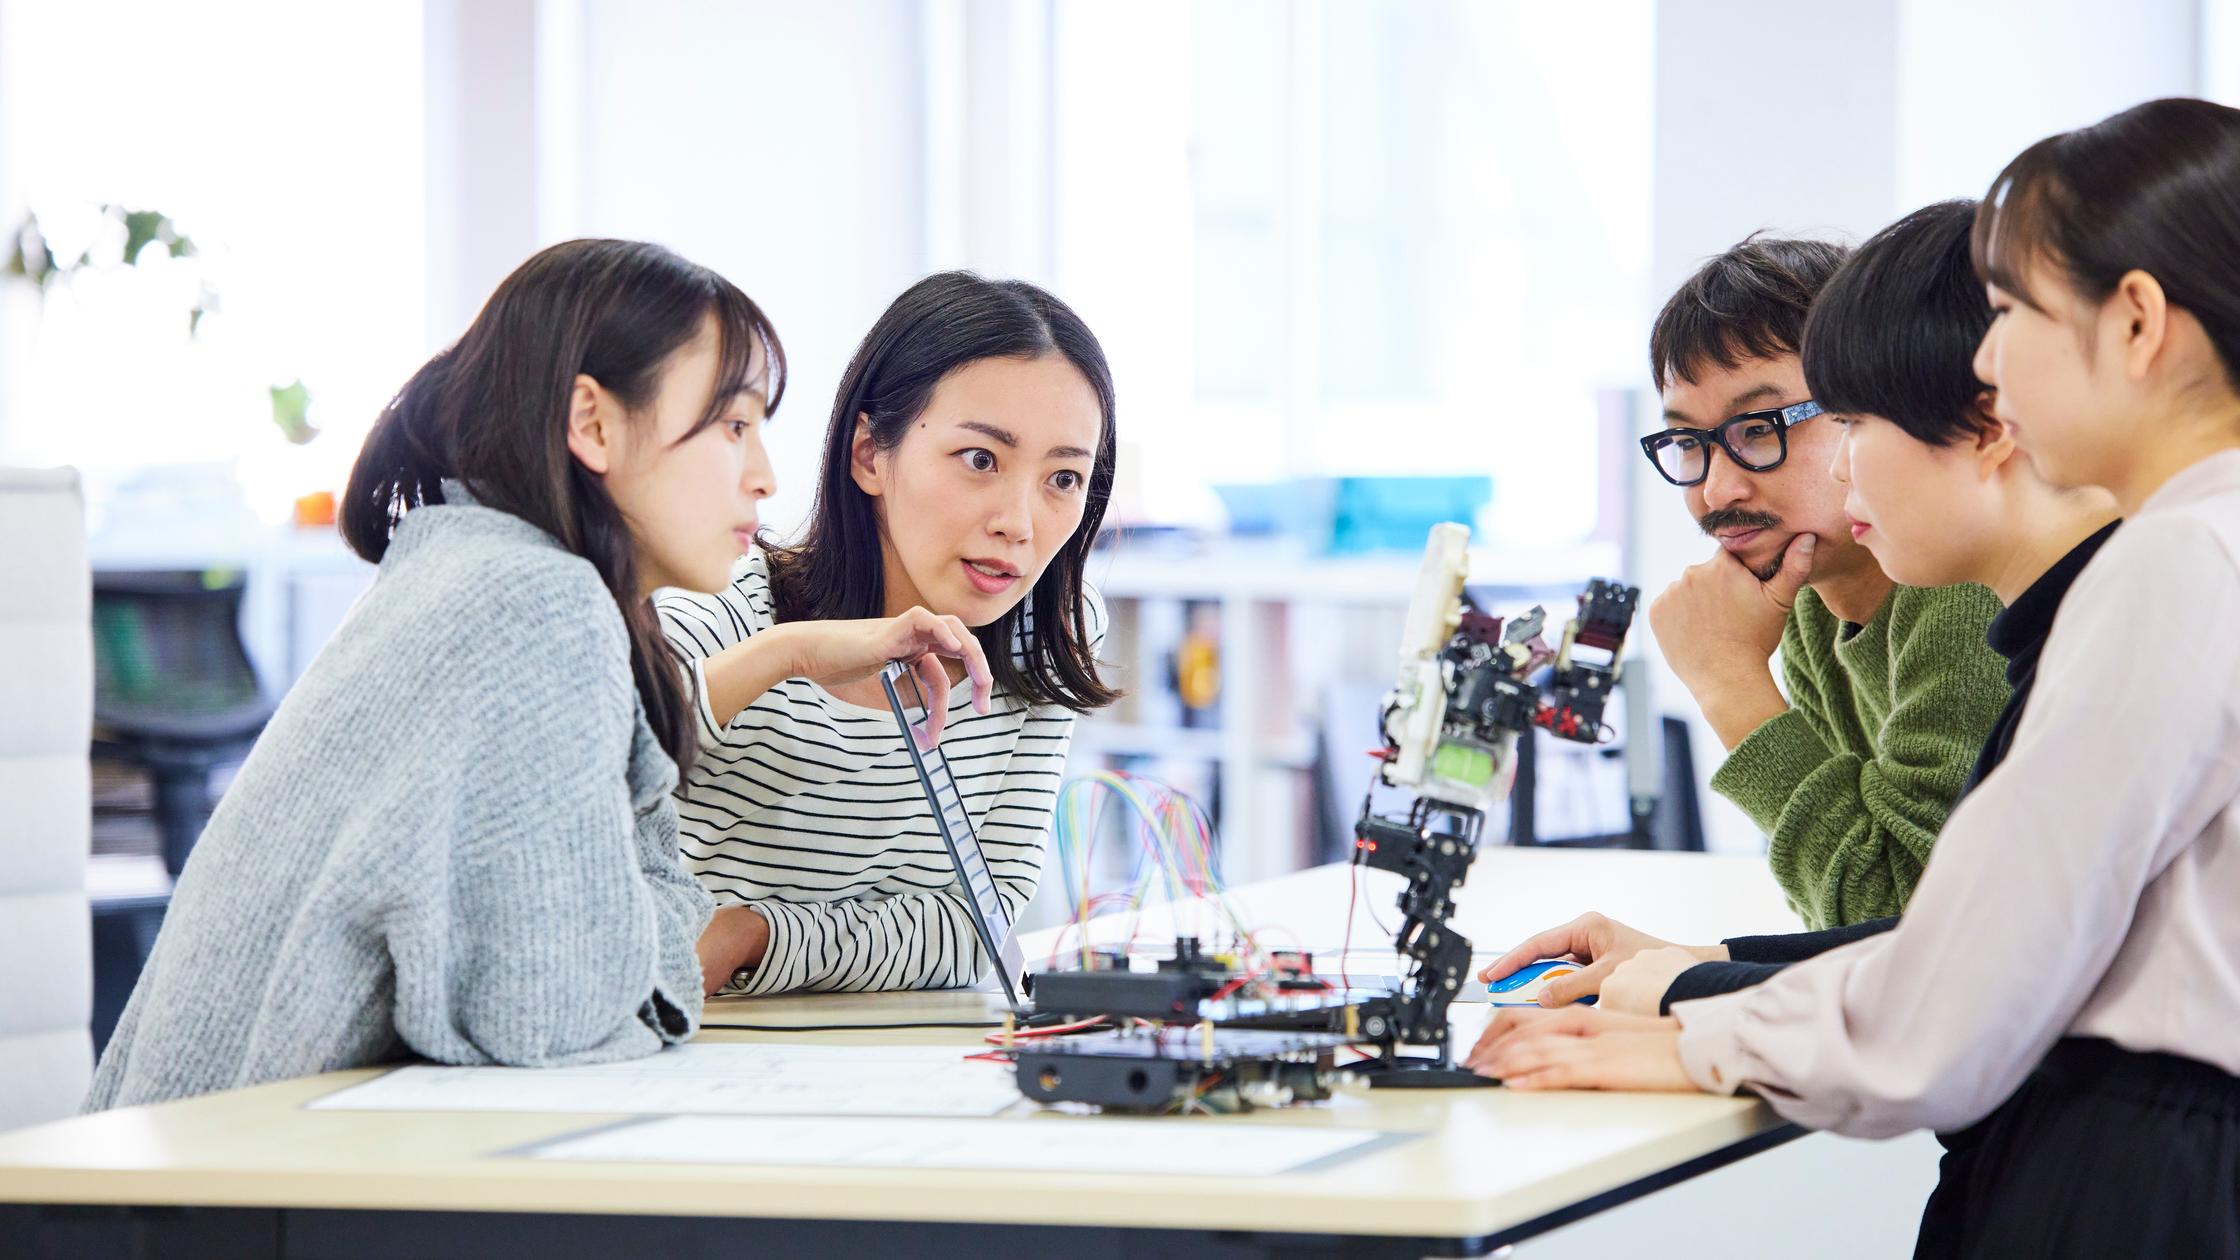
[1174,849]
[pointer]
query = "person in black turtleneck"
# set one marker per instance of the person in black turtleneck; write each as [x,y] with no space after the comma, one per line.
[2016,634]
[1940,493]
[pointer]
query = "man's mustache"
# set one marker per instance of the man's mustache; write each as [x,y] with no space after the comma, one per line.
[1736,518]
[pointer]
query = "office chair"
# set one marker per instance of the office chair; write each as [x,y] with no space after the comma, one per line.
[174,692]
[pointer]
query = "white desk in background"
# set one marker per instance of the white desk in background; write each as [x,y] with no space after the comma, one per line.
[254,1173]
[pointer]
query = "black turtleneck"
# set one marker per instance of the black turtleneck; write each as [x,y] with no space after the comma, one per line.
[2019,633]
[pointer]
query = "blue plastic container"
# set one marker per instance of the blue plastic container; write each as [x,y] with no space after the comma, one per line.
[1395,513]
[1351,515]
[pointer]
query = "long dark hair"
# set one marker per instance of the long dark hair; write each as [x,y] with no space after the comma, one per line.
[2155,188]
[938,325]
[492,412]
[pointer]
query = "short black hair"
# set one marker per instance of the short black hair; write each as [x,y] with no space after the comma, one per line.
[1747,303]
[1894,334]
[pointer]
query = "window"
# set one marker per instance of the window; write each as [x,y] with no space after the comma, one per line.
[1331,238]
[286,141]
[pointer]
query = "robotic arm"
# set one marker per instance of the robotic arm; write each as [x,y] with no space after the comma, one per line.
[1469,686]
[1466,691]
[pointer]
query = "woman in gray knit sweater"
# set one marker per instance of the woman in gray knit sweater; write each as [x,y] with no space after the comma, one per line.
[455,840]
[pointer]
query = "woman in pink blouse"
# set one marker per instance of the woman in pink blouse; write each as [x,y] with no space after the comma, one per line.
[2064,990]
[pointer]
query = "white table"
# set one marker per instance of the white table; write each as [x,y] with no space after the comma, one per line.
[251,1172]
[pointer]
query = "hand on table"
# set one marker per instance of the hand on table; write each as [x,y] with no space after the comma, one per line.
[1580,1047]
[736,937]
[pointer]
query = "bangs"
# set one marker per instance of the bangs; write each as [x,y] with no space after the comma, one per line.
[1895,333]
[749,356]
[2011,235]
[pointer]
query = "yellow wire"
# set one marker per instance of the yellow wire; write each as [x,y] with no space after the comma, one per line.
[1171,828]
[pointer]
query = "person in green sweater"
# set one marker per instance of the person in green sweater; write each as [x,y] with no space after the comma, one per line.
[1890,690]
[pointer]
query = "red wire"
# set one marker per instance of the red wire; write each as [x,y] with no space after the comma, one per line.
[1054,1030]
[1231,987]
[1345,947]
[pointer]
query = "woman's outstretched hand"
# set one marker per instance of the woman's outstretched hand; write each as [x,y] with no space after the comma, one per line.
[836,653]
[841,652]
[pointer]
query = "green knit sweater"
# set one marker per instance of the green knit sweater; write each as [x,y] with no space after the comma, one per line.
[1852,784]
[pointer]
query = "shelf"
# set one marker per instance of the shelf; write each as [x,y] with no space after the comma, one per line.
[1293,626]
[1128,739]
[1284,570]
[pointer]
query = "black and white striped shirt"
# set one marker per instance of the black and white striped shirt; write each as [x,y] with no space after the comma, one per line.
[806,807]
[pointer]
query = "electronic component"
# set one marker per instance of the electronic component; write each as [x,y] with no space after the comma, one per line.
[1192,987]
[1209,1030]
[1181,1068]
[1580,686]
[1466,691]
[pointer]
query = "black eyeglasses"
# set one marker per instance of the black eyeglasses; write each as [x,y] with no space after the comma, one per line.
[1756,440]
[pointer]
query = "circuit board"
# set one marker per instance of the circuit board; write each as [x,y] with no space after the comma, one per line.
[1172,1068]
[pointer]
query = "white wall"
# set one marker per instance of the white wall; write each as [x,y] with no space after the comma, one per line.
[1983,80]
[1822,1196]
[1768,114]
[780,143]
[2220,50]
[480,131]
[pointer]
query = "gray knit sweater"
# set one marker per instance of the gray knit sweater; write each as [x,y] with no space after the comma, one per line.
[454,841]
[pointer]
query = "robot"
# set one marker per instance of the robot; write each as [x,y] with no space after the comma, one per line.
[1201,1030]
[1466,692]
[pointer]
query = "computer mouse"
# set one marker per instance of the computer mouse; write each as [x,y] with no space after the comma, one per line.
[1522,986]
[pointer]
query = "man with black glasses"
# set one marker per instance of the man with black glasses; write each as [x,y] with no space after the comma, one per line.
[1890,689]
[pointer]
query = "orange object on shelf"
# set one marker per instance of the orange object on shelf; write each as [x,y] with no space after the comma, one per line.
[315,510]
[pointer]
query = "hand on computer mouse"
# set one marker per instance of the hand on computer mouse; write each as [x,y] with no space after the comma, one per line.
[1597,940]
[1524,986]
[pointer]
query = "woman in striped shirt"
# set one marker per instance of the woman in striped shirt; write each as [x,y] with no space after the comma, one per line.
[965,475]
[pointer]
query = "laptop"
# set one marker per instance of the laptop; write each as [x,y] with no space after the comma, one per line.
[991,922]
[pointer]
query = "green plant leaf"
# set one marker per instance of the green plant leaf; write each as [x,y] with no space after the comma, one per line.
[37,267]
[291,410]
[140,228]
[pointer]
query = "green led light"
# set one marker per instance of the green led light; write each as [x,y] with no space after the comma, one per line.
[1460,763]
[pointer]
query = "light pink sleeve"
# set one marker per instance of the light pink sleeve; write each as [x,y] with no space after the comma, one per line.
[2128,749]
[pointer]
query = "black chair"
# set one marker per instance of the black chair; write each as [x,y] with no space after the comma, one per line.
[124,930]
[1679,818]
[174,693]
[1674,819]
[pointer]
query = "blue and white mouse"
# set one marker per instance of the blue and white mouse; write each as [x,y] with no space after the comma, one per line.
[1522,986]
